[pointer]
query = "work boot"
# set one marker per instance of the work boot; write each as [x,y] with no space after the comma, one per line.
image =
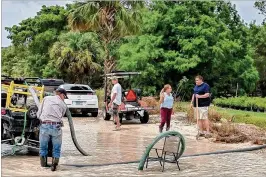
[43,160]
[55,162]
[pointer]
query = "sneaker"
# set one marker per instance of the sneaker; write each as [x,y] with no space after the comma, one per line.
[200,134]
[117,128]
[208,135]
[167,128]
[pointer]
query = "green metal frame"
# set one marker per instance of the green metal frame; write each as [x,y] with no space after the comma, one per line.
[158,138]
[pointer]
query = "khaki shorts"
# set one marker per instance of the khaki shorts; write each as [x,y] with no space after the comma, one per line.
[203,113]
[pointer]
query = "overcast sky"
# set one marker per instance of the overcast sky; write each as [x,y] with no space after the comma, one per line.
[14,11]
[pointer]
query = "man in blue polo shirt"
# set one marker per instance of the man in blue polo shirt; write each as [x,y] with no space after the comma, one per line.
[202,93]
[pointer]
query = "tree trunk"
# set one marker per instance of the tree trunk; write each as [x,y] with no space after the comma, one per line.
[262,86]
[109,65]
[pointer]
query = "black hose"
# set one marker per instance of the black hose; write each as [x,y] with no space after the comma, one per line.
[184,156]
[228,151]
[73,135]
[100,165]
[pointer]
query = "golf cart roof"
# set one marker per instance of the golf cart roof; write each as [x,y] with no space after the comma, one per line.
[52,82]
[32,79]
[120,74]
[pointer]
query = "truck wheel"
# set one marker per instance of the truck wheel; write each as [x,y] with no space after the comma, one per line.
[94,114]
[145,118]
[106,116]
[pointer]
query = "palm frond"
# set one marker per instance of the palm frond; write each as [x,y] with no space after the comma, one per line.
[111,19]
[85,17]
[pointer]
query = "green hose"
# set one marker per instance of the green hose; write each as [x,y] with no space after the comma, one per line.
[159,137]
[72,130]
[73,135]
[14,150]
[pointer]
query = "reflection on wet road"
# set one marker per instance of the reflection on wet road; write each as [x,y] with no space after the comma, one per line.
[107,146]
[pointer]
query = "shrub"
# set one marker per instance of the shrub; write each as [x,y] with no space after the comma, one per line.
[151,102]
[213,115]
[227,132]
[100,95]
[242,102]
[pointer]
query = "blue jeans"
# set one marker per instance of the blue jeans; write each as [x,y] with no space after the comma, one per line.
[53,133]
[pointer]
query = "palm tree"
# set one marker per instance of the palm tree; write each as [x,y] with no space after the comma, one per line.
[111,20]
[78,56]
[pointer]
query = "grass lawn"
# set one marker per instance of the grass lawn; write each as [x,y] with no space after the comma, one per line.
[248,117]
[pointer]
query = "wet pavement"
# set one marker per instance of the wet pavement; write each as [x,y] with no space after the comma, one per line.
[97,137]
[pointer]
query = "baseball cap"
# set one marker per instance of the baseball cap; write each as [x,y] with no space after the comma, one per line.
[62,91]
[114,78]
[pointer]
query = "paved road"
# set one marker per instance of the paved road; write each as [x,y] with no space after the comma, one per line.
[107,146]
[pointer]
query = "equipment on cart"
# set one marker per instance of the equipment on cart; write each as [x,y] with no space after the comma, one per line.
[130,107]
[19,123]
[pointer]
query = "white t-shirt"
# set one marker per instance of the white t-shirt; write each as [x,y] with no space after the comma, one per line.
[118,90]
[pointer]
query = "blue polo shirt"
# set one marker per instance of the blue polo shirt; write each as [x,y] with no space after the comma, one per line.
[201,90]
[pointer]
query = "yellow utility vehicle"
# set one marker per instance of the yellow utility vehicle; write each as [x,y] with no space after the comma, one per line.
[19,122]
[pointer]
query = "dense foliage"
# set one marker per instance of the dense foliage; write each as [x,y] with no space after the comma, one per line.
[248,103]
[31,40]
[110,19]
[190,38]
[166,41]
[78,57]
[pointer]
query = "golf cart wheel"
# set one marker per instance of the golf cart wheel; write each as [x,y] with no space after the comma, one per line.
[32,112]
[145,118]
[106,116]
[94,114]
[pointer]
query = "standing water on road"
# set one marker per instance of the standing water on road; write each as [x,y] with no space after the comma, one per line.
[106,146]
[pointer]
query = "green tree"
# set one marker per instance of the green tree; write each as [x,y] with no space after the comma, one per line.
[190,38]
[78,56]
[261,6]
[14,61]
[258,39]
[111,20]
[37,35]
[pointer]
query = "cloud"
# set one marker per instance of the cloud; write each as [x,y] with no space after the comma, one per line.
[14,11]
[248,12]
